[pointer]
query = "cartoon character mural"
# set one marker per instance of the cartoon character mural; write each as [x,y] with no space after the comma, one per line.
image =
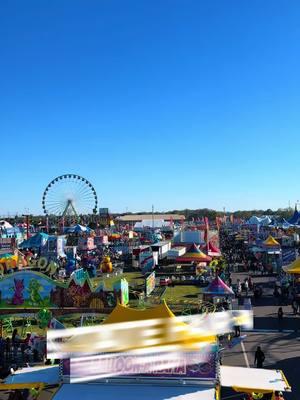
[34,289]
[121,291]
[18,288]
[79,294]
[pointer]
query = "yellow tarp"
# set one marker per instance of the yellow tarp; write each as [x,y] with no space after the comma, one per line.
[22,386]
[185,335]
[271,242]
[9,262]
[125,314]
[293,268]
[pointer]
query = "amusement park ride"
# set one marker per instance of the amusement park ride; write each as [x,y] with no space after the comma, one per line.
[68,197]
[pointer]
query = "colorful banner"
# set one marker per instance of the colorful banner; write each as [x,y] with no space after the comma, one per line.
[86,243]
[150,284]
[147,262]
[182,365]
[121,291]
[7,245]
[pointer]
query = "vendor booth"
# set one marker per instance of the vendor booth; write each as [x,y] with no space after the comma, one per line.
[272,255]
[217,291]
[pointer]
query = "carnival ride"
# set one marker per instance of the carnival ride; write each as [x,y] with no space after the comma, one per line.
[69,196]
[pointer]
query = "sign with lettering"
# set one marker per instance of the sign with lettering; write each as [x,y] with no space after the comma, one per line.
[43,264]
[86,243]
[150,284]
[187,365]
[7,245]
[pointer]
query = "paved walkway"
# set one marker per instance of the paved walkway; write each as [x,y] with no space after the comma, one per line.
[281,344]
[282,351]
[265,309]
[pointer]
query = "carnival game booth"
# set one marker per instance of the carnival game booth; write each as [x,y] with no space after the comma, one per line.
[122,374]
[293,270]
[272,255]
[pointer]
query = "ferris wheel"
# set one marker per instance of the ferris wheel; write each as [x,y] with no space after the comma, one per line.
[69,195]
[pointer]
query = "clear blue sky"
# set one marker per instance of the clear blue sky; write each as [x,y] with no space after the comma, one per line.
[180,104]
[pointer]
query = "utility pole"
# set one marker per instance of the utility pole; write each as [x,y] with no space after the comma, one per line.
[152,216]
[27,224]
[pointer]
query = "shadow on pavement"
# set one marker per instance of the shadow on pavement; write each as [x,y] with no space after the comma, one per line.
[271,322]
[291,368]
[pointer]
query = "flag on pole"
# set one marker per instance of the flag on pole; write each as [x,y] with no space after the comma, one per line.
[206,233]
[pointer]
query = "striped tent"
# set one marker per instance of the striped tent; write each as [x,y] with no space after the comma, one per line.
[193,254]
[218,288]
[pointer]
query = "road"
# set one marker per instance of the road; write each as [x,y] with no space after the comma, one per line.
[282,351]
[281,348]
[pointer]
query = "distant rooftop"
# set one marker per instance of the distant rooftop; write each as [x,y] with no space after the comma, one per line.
[141,217]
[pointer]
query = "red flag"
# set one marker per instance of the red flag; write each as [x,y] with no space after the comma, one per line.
[206,223]
[206,232]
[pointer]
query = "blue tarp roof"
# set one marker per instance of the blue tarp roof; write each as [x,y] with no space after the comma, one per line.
[77,229]
[36,241]
[12,231]
[281,223]
[295,218]
[48,375]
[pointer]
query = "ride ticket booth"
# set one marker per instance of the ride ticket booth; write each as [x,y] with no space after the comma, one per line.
[136,376]
[258,383]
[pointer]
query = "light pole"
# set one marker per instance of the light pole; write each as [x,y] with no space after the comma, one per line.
[27,224]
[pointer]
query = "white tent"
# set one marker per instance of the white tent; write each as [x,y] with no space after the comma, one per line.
[253,379]
[5,224]
[189,237]
[264,221]
[149,223]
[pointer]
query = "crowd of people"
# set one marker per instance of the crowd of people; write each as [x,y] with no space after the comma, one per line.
[17,351]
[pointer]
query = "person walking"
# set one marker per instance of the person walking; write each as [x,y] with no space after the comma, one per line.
[259,357]
[294,306]
[250,283]
[280,318]
[16,341]
[239,288]
[246,286]
[237,331]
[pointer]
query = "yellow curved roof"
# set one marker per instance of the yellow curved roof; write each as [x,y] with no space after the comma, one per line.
[271,242]
[293,268]
[163,330]
[125,314]
[182,335]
